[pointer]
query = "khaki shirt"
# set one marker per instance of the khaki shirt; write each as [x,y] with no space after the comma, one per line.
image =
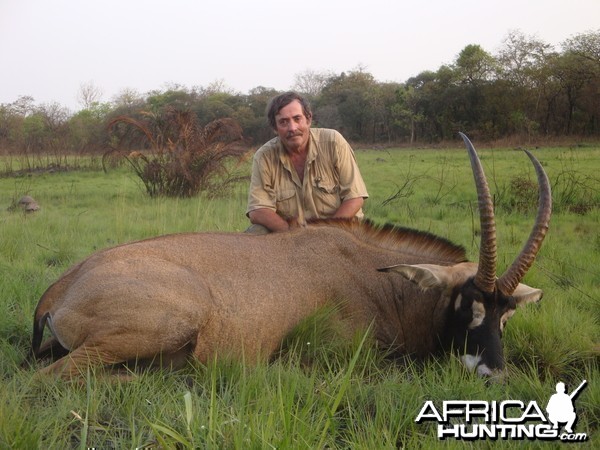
[331,176]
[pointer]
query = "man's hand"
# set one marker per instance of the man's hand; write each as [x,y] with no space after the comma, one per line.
[349,208]
[269,219]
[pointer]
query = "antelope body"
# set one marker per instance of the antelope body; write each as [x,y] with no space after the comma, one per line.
[239,295]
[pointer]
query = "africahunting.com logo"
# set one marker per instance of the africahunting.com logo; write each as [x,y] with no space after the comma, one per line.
[509,419]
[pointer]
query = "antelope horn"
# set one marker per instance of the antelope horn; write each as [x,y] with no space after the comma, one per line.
[509,281]
[485,279]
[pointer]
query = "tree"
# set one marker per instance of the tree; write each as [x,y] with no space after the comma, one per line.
[381,99]
[216,105]
[88,95]
[216,87]
[578,70]
[311,83]
[475,65]
[585,45]
[405,112]
[437,104]
[87,129]
[578,77]
[524,63]
[257,128]
[128,98]
[23,106]
[174,96]
[521,57]
[349,93]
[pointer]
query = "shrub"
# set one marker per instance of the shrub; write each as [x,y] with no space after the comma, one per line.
[524,192]
[184,158]
[572,191]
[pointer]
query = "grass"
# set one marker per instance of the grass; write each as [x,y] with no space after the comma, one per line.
[322,391]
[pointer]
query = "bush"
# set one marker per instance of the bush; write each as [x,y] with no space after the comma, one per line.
[184,158]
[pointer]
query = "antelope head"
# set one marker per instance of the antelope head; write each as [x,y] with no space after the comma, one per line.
[481,302]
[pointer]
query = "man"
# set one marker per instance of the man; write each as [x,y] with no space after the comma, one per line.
[302,173]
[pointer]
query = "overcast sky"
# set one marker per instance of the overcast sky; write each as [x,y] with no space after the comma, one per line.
[49,48]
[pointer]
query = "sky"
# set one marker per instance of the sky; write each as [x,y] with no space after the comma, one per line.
[50,48]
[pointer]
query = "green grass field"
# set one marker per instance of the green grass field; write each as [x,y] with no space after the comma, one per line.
[322,392]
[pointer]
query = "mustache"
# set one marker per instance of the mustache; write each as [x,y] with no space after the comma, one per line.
[293,134]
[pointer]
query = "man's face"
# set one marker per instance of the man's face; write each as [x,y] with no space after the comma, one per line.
[292,126]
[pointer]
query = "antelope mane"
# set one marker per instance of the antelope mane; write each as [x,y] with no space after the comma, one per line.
[399,239]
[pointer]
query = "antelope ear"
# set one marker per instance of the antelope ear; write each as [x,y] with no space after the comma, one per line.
[526,294]
[426,276]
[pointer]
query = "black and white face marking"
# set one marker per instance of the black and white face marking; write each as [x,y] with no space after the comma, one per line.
[478,322]
[478,312]
[472,362]
[507,315]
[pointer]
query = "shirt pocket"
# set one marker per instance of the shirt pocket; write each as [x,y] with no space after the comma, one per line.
[327,196]
[286,203]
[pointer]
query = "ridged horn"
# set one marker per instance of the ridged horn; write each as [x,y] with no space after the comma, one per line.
[485,279]
[509,281]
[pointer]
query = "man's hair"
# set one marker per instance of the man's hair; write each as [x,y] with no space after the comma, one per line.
[282,101]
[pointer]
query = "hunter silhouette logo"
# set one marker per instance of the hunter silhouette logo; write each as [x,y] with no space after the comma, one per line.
[560,407]
[509,419]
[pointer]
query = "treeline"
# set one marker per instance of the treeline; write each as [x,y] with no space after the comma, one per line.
[527,88]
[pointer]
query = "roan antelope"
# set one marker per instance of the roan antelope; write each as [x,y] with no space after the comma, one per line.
[210,294]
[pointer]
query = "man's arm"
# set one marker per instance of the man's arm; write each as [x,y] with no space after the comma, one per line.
[352,185]
[349,208]
[269,219]
[261,201]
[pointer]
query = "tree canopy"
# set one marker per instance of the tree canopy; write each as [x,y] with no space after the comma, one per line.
[526,89]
